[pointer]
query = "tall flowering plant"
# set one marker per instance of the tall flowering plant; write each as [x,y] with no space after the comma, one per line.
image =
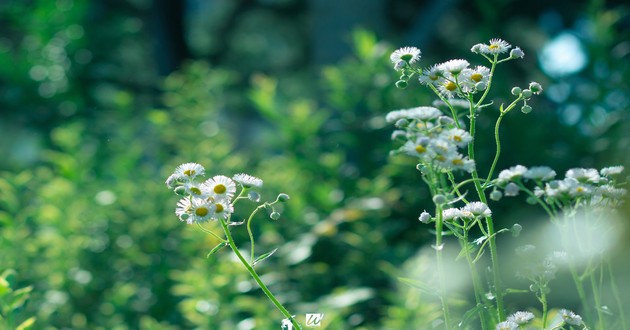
[214,200]
[441,138]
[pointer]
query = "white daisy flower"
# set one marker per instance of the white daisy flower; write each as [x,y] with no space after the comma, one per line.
[612,170]
[512,173]
[583,174]
[521,318]
[222,209]
[197,190]
[474,79]
[478,209]
[496,46]
[431,75]
[507,325]
[407,54]
[419,113]
[455,67]
[460,137]
[542,173]
[451,214]
[448,88]
[220,186]
[189,171]
[194,210]
[247,180]
[570,317]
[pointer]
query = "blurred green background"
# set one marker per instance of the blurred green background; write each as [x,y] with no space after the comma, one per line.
[101,100]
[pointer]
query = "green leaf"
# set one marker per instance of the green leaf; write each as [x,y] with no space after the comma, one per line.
[472,247]
[27,324]
[471,315]
[419,285]
[264,256]
[216,249]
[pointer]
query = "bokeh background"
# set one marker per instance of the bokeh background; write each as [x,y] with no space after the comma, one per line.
[101,100]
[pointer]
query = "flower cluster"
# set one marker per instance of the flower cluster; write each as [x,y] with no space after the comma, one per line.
[211,199]
[515,321]
[583,184]
[469,211]
[431,137]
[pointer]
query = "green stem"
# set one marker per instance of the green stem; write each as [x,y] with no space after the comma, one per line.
[497,141]
[253,273]
[251,234]
[475,279]
[543,300]
[440,264]
[598,303]
[498,293]
[580,289]
[615,290]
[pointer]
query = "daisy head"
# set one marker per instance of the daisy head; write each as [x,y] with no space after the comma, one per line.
[194,210]
[407,54]
[222,209]
[496,46]
[184,173]
[431,75]
[220,186]
[448,89]
[475,79]
[455,67]
[247,181]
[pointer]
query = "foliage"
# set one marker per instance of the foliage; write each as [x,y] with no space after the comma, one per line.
[91,131]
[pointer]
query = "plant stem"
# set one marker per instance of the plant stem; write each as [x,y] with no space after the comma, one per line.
[543,300]
[475,279]
[615,291]
[498,293]
[598,303]
[497,141]
[440,264]
[253,273]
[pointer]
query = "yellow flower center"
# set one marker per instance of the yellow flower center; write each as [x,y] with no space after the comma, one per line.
[195,190]
[476,77]
[219,208]
[201,211]
[434,77]
[440,158]
[457,161]
[579,189]
[420,149]
[493,47]
[457,138]
[220,189]
[189,172]
[450,86]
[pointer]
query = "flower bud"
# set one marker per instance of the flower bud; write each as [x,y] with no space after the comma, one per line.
[274,215]
[535,87]
[282,197]
[439,199]
[180,190]
[401,84]
[527,93]
[496,195]
[402,123]
[531,200]
[253,196]
[511,189]
[526,109]
[399,65]
[425,217]
[476,48]
[517,53]
[516,91]
[481,86]
[516,230]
